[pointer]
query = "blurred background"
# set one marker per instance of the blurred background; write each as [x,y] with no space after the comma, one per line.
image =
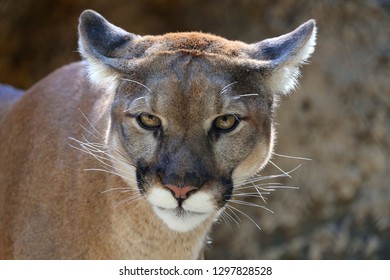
[339,117]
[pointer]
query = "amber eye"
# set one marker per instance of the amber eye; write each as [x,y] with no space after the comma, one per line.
[226,123]
[148,121]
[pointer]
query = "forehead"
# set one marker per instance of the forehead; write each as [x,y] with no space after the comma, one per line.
[187,86]
[193,59]
[193,42]
[186,70]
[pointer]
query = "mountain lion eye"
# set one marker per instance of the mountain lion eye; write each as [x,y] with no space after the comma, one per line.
[226,123]
[148,121]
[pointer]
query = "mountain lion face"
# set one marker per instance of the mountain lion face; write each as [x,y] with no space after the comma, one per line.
[192,113]
[190,131]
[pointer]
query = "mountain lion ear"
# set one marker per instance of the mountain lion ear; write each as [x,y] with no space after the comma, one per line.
[104,46]
[283,55]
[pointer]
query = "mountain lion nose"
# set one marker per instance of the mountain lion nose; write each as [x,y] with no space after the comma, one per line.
[180,193]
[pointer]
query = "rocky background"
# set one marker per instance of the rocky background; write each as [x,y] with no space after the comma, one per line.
[339,117]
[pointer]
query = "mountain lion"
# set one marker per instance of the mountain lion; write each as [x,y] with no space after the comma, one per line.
[135,151]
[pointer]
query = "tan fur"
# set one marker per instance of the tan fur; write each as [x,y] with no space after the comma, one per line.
[56,204]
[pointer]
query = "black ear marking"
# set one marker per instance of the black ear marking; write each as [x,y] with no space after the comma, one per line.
[102,37]
[279,50]
[101,40]
[282,56]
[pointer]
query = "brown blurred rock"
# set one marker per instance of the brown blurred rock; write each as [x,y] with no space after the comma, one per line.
[339,116]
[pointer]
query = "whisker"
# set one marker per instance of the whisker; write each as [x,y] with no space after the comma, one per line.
[246,215]
[251,195]
[118,189]
[139,98]
[99,147]
[111,172]
[84,150]
[97,150]
[257,188]
[235,215]
[133,108]
[225,219]
[224,89]
[97,157]
[280,169]
[273,188]
[130,199]
[138,83]
[291,157]
[264,199]
[260,194]
[93,148]
[285,174]
[246,203]
[244,95]
[90,132]
[267,176]
[246,186]
[93,127]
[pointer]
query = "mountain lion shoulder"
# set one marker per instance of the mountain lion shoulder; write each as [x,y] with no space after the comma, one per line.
[135,151]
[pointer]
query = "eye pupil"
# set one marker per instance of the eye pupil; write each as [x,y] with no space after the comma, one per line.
[148,121]
[226,123]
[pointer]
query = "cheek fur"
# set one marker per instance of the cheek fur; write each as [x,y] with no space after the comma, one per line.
[256,160]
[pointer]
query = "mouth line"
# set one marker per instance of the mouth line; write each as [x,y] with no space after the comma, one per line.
[180,211]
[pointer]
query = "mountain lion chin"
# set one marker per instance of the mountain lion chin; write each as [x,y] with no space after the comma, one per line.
[179,219]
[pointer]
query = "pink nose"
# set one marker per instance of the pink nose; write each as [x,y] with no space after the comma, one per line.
[180,192]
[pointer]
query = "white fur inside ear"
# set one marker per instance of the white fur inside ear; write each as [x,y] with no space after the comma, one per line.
[100,75]
[284,78]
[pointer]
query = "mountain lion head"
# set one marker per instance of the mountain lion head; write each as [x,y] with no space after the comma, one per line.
[192,113]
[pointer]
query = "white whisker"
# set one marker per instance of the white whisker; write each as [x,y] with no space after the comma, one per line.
[130,199]
[251,195]
[139,98]
[246,215]
[90,132]
[110,172]
[133,108]
[291,157]
[138,83]
[93,127]
[244,95]
[133,105]
[224,89]
[273,188]
[225,218]
[94,149]
[262,178]
[245,185]
[238,221]
[98,151]
[101,159]
[260,193]
[229,217]
[119,189]
[280,169]
[246,203]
